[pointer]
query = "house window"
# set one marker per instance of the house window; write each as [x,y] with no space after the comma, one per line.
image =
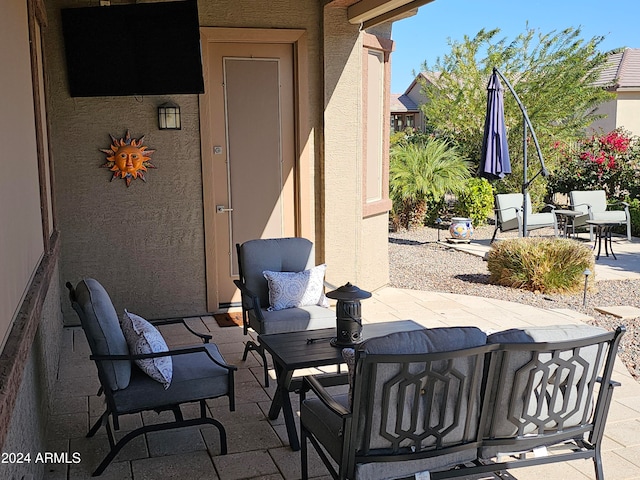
[410,121]
[402,121]
[397,122]
[376,79]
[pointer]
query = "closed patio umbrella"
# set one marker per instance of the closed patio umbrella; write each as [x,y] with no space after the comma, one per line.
[494,162]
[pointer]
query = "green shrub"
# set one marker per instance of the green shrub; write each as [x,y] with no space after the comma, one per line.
[476,201]
[552,265]
[634,213]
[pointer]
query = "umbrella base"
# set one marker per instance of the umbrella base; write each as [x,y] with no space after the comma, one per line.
[459,240]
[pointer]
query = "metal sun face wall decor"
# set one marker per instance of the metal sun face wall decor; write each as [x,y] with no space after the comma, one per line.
[127,158]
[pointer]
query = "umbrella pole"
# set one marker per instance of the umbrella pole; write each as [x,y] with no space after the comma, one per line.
[525,183]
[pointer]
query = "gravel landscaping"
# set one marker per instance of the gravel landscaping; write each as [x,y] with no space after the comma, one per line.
[418,262]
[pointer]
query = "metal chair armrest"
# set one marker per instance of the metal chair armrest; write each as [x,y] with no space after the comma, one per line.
[517,209]
[624,204]
[309,382]
[205,337]
[169,353]
[253,298]
[573,207]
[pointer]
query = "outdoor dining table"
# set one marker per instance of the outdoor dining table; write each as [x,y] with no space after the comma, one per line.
[309,349]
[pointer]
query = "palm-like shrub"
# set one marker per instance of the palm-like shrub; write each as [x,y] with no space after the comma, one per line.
[552,265]
[421,172]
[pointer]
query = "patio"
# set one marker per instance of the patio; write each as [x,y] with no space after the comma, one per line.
[258,448]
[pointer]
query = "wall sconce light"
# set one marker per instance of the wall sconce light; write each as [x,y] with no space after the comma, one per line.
[169,117]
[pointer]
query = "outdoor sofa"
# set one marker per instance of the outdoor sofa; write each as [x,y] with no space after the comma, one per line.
[455,402]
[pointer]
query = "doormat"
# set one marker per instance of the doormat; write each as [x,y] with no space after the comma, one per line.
[230,319]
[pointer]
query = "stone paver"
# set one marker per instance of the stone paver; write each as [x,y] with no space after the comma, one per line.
[258,447]
[624,312]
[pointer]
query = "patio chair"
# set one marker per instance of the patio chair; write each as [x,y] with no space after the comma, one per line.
[593,206]
[180,376]
[294,257]
[508,215]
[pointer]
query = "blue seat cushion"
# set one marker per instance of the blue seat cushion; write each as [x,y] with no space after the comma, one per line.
[295,319]
[195,377]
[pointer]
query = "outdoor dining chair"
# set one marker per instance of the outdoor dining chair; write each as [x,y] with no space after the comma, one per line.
[289,297]
[594,206]
[171,378]
[508,215]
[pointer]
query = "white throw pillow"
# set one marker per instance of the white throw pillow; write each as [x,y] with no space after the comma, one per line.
[296,289]
[142,337]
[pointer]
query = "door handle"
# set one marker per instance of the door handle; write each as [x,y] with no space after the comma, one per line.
[221,209]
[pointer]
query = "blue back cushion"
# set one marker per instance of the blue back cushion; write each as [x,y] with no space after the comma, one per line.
[276,255]
[102,329]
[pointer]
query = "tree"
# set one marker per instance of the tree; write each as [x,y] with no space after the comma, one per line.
[421,172]
[554,75]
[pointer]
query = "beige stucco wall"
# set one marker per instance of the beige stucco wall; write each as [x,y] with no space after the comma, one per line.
[350,241]
[623,112]
[145,243]
[628,114]
[342,147]
[608,122]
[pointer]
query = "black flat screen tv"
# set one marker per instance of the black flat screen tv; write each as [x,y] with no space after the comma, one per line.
[133,49]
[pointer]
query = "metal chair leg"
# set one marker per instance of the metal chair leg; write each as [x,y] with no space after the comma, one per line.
[251,345]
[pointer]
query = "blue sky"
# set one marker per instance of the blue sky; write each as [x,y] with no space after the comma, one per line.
[424,36]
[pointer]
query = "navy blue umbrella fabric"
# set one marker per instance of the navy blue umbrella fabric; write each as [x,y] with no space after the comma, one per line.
[495,163]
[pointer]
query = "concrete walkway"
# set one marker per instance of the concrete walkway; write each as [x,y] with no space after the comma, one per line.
[258,448]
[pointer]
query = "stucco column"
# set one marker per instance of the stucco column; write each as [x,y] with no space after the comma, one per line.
[342,172]
[354,246]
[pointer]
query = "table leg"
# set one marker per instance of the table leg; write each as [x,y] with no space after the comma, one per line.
[608,238]
[282,400]
[599,241]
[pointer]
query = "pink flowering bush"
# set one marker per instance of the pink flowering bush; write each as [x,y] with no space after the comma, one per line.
[609,162]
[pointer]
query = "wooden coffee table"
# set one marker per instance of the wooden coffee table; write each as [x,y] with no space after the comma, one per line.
[308,349]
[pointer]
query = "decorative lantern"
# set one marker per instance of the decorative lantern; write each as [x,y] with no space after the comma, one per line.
[169,117]
[348,315]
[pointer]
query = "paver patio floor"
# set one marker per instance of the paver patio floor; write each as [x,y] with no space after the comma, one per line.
[258,447]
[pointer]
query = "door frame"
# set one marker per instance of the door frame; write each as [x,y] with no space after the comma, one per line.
[303,188]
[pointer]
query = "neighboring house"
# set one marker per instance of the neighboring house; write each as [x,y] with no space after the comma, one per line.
[289,138]
[405,107]
[623,72]
[404,113]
